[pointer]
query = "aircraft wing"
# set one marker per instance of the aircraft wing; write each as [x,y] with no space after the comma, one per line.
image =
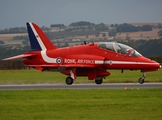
[19,56]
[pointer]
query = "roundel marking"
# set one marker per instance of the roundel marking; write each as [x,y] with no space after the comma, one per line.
[110,62]
[59,60]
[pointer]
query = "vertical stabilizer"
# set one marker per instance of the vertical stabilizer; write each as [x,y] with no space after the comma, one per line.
[38,40]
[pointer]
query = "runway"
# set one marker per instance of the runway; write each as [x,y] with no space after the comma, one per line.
[82,86]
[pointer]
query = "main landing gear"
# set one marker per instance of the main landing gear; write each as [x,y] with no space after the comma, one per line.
[142,80]
[98,80]
[69,80]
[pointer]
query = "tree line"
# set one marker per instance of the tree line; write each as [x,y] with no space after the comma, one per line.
[88,26]
[11,65]
[130,28]
[14,30]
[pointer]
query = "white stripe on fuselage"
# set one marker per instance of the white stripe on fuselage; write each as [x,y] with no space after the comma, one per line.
[111,62]
[125,62]
[44,49]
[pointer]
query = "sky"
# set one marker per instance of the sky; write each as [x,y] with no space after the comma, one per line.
[15,13]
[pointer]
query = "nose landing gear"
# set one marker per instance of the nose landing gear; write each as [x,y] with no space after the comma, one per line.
[142,80]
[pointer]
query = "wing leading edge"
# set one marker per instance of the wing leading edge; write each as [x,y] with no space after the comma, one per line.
[20,56]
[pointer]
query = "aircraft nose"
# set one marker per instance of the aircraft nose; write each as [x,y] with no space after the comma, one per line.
[158,65]
[154,65]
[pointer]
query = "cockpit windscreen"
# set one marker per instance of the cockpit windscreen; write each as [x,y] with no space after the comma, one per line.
[118,48]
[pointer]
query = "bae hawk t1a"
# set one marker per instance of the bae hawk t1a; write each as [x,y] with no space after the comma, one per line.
[91,60]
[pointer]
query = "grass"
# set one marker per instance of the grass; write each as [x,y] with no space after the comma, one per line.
[33,76]
[106,104]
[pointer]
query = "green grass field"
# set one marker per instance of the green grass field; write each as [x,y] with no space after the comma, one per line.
[34,76]
[136,104]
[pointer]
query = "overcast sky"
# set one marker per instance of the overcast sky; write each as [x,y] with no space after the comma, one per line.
[15,13]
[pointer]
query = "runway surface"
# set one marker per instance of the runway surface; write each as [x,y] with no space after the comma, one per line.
[81,86]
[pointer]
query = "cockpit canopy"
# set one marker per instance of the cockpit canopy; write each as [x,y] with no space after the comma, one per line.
[118,48]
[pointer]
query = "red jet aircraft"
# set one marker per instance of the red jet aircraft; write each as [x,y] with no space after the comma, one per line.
[92,60]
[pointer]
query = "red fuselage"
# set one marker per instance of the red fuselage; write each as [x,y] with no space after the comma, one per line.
[91,54]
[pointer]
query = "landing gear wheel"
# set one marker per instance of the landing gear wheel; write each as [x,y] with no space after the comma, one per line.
[98,81]
[141,80]
[69,81]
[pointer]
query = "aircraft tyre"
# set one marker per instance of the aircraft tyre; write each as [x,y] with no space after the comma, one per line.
[141,80]
[98,81]
[69,81]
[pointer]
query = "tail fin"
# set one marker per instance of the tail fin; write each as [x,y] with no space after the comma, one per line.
[38,40]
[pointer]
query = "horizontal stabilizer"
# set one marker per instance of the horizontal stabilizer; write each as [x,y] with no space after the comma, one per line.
[19,56]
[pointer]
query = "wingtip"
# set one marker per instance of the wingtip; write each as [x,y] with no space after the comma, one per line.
[5,59]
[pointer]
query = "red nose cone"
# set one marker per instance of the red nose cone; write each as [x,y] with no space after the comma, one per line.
[156,65]
[159,66]
[152,65]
